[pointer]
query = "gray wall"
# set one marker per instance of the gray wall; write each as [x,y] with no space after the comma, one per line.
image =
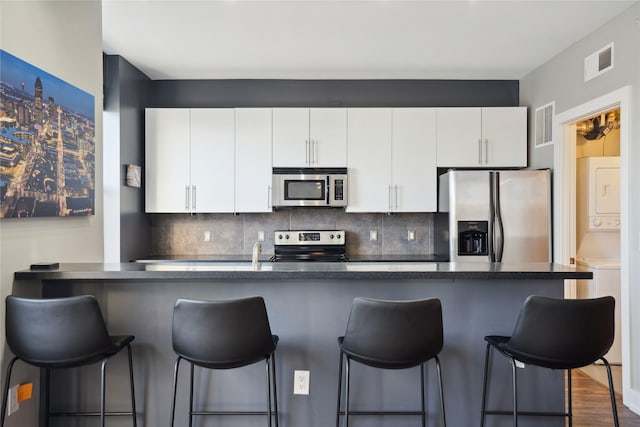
[126,95]
[333,93]
[63,38]
[561,80]
[182,234]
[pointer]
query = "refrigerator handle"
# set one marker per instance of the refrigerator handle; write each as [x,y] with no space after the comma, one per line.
[497,229]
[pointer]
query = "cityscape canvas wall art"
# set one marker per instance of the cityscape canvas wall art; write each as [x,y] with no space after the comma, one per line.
[47,144]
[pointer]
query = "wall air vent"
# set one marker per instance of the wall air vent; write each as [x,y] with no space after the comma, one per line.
[598,62]
[544,120]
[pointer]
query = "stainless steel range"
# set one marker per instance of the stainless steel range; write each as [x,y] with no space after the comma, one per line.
[308,245]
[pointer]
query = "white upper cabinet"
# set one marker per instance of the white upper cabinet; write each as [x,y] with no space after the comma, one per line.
[189,160]
[212,153]
[309,137]
[482,137]
[253,160]
[391,160]
[414,171]
[167,160]
[328,137]
[368,158]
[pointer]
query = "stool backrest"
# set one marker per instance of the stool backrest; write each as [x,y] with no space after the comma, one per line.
[222,334]
[394,334]
[59,332]
[566,333]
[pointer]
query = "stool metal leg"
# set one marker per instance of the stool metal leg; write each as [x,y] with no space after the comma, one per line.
[439,370]
[275,389]
[175,389]
[514,376]
[133,391]
[484,384]
[569,399]
[346,390]
[103,386]
[424,412]
[5,393]
[339,389]
[191,395]
[266,364]
[612,394]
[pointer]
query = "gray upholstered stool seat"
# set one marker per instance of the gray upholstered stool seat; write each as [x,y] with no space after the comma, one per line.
[556,334]
[224,334]
[63,333]
[391,335]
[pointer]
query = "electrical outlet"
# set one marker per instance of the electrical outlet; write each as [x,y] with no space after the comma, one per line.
[260,236]
[373,235]
[411,235]
[301,382]
[207,236]
[13,405]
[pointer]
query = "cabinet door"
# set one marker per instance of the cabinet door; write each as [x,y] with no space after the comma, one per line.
[607,191]
[253,160]
[291,137]
[504,136]
[368,159]
[212,160]
[167,160]
[414,173]
[328,136]
[459,137]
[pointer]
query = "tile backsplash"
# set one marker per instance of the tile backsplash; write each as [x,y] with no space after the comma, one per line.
[179,234]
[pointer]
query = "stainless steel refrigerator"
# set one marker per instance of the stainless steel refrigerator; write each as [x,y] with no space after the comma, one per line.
[494,216]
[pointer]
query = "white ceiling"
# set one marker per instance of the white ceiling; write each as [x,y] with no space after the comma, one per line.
[340,39]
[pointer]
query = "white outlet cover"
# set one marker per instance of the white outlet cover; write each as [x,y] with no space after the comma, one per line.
[301,382]
[13,405]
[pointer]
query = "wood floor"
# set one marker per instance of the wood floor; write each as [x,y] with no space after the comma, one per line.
[592,406]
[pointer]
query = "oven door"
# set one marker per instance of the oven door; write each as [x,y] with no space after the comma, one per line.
[300,190]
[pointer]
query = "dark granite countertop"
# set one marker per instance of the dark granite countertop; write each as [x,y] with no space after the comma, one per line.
[195,270]
[267,257]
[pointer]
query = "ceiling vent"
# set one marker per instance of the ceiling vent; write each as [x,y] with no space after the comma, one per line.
[598,62]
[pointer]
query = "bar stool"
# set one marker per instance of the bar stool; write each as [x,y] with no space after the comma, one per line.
[63,333]
[556,334]
[224,334]
[391,335]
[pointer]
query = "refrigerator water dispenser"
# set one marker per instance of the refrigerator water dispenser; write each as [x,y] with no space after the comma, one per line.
[472,237]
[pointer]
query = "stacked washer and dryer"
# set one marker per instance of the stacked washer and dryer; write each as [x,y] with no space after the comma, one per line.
[598,233]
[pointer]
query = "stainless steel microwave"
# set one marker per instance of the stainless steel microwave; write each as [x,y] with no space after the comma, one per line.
[310,187]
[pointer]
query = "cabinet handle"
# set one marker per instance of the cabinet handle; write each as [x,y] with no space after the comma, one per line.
[389,198]
[486,151]
[307,152]
[186,197]
[193,198]
[314,151]
[604,190]
[396,196]
[480,151]
[269,201]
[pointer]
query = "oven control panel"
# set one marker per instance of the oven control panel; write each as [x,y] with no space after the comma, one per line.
[307,237]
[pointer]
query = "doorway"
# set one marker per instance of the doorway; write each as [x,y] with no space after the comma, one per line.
[565,216]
